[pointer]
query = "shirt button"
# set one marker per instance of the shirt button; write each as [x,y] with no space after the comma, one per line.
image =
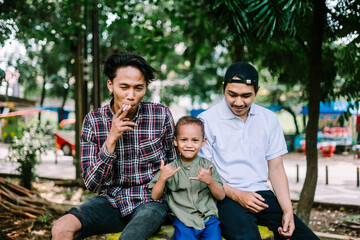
[128,160]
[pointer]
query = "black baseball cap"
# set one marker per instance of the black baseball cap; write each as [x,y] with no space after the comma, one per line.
[246,73]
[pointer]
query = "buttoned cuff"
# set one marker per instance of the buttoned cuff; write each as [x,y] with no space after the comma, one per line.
[106,155]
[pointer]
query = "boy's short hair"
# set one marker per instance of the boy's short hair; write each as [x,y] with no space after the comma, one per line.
[186,120]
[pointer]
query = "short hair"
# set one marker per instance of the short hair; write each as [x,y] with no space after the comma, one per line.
[186,120]
[124,59]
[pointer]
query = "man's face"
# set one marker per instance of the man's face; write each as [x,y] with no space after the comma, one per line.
[239,97]
[128,87]
[189,140]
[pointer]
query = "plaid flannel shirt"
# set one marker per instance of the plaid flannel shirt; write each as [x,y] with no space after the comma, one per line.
[123,176]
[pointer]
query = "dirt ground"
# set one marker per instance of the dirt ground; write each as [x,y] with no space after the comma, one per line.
[331,219]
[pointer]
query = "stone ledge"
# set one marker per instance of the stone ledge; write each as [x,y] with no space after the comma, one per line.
[166,232]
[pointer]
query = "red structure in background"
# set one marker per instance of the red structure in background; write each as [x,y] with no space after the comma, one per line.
[65,137]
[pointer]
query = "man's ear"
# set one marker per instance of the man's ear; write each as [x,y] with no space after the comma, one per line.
[203,142]
[257,90]
[109,85]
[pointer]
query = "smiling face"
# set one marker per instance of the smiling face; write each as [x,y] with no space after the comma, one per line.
[128,87]
[189,140]
[239,98]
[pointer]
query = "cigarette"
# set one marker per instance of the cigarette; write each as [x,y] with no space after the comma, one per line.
[126,107]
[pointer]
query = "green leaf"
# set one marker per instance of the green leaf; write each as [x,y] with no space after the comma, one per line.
[2,74]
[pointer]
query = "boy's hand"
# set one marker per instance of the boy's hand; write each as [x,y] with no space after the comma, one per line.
[204,175]
[167,171]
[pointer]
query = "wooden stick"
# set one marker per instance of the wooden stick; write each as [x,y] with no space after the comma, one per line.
[17,188]
[23,208]
[24,214]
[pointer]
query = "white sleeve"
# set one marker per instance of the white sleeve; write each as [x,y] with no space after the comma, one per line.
[276,142]
[206,151]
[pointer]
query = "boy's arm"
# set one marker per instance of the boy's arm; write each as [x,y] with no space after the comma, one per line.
[217,191]
[158,189]
[280,186]
[166,172]
[205,176]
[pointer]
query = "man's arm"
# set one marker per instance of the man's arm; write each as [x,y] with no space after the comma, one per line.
[96,160]
[119,125]
[280,186]
[249,200]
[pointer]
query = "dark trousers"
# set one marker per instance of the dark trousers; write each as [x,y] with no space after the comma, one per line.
[238,222]
[97,216]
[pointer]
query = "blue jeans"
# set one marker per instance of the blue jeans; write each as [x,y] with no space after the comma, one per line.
[210,232]
[239,223]
[97,216]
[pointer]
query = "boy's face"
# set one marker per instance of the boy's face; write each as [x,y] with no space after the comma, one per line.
[189,140]
[128,87]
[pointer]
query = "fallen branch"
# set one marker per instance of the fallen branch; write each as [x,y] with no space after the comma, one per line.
[16,188]
[23,202]
[16,212]
[23,208]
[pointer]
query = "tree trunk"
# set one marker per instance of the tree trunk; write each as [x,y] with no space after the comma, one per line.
[238,50]
[26,175]
[43,91]
[77,47]
[97,88]
[315,77]
[79,107]
[61,114]
[293,114]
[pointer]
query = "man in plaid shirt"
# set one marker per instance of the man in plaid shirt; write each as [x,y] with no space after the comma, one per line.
[122,145]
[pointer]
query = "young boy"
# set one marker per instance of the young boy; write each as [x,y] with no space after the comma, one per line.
[191,184]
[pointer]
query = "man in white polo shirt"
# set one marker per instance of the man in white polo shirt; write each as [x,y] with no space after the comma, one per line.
[246,144]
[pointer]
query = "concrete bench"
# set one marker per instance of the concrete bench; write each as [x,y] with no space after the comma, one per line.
[166,232]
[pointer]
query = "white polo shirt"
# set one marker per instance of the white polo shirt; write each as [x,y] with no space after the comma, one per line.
[239,150]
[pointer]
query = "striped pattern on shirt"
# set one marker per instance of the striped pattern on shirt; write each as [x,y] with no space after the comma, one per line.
[123,176]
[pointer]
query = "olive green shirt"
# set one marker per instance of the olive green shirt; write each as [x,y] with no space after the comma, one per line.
[190,200]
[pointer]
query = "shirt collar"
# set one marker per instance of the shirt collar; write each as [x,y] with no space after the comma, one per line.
[226,112]
[186,165]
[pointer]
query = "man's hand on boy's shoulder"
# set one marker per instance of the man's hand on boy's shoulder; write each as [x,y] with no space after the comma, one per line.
[167,171]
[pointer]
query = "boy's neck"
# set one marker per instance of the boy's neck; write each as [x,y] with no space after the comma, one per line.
[189,161]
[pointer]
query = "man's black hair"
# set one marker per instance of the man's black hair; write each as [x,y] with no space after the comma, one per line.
[118,60]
